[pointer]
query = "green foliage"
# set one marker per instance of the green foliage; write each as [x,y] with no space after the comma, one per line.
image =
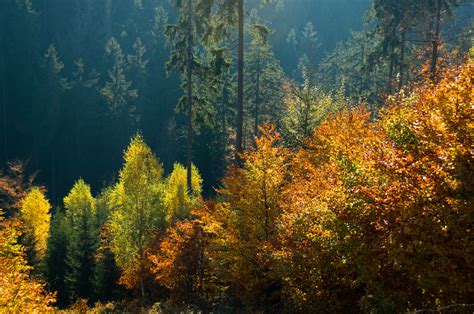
[137,200]
[263,79]
[117,90]
[55,260]
[306,106]
[82,240]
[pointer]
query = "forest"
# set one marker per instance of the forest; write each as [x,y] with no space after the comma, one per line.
[236,156]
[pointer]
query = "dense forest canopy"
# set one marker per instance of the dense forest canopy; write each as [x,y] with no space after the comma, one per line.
[236,155]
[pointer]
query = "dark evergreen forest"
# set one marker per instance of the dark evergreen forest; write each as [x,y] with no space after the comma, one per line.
[55,64]
[236,156]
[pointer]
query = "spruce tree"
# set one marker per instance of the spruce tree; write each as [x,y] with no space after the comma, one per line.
[55,266]
[263,77]
[82,240]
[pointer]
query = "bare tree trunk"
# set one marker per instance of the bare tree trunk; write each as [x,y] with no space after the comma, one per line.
[435,41]
[257,98]
[402,58]
[240,84]
[4,110]
[189,97]
[108,13]
[390,73]
[224,125]
[53,174]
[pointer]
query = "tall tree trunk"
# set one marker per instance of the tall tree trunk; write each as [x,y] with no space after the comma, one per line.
[108,13]
[224,125]
[189,97]
[402,58]
[363,78]
[390,72]
[435,41]
[257,98]
[53,176]
[4,110]
[240,84]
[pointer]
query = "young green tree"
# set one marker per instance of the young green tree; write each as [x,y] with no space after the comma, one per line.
[82,240]
[106,272]
[306,106]
[36,218]
[55,265]
[137,200]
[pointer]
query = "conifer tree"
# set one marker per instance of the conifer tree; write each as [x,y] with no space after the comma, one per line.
[188,39]
[48,112]
[117,91]
[82,240]
[306,106]
[83,94]
[106,272]
[55,266]
[263,77]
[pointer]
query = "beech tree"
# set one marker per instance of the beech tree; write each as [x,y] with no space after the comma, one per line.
[249,211]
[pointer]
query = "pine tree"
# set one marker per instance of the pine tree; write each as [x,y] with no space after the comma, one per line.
[83,94]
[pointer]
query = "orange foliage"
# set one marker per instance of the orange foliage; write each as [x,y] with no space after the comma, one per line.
[371,216]
[18,292]
[181,261]
[381,213]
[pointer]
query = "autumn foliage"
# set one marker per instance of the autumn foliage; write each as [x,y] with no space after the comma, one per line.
[368,215]
[18,292]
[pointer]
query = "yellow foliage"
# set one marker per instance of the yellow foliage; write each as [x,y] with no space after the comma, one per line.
[139,210]
[178,201]
[34,213]
[18,293]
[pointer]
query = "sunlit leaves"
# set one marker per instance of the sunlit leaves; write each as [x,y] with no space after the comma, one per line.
[139,210]
[36,218]
[18,292]
[178,201]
